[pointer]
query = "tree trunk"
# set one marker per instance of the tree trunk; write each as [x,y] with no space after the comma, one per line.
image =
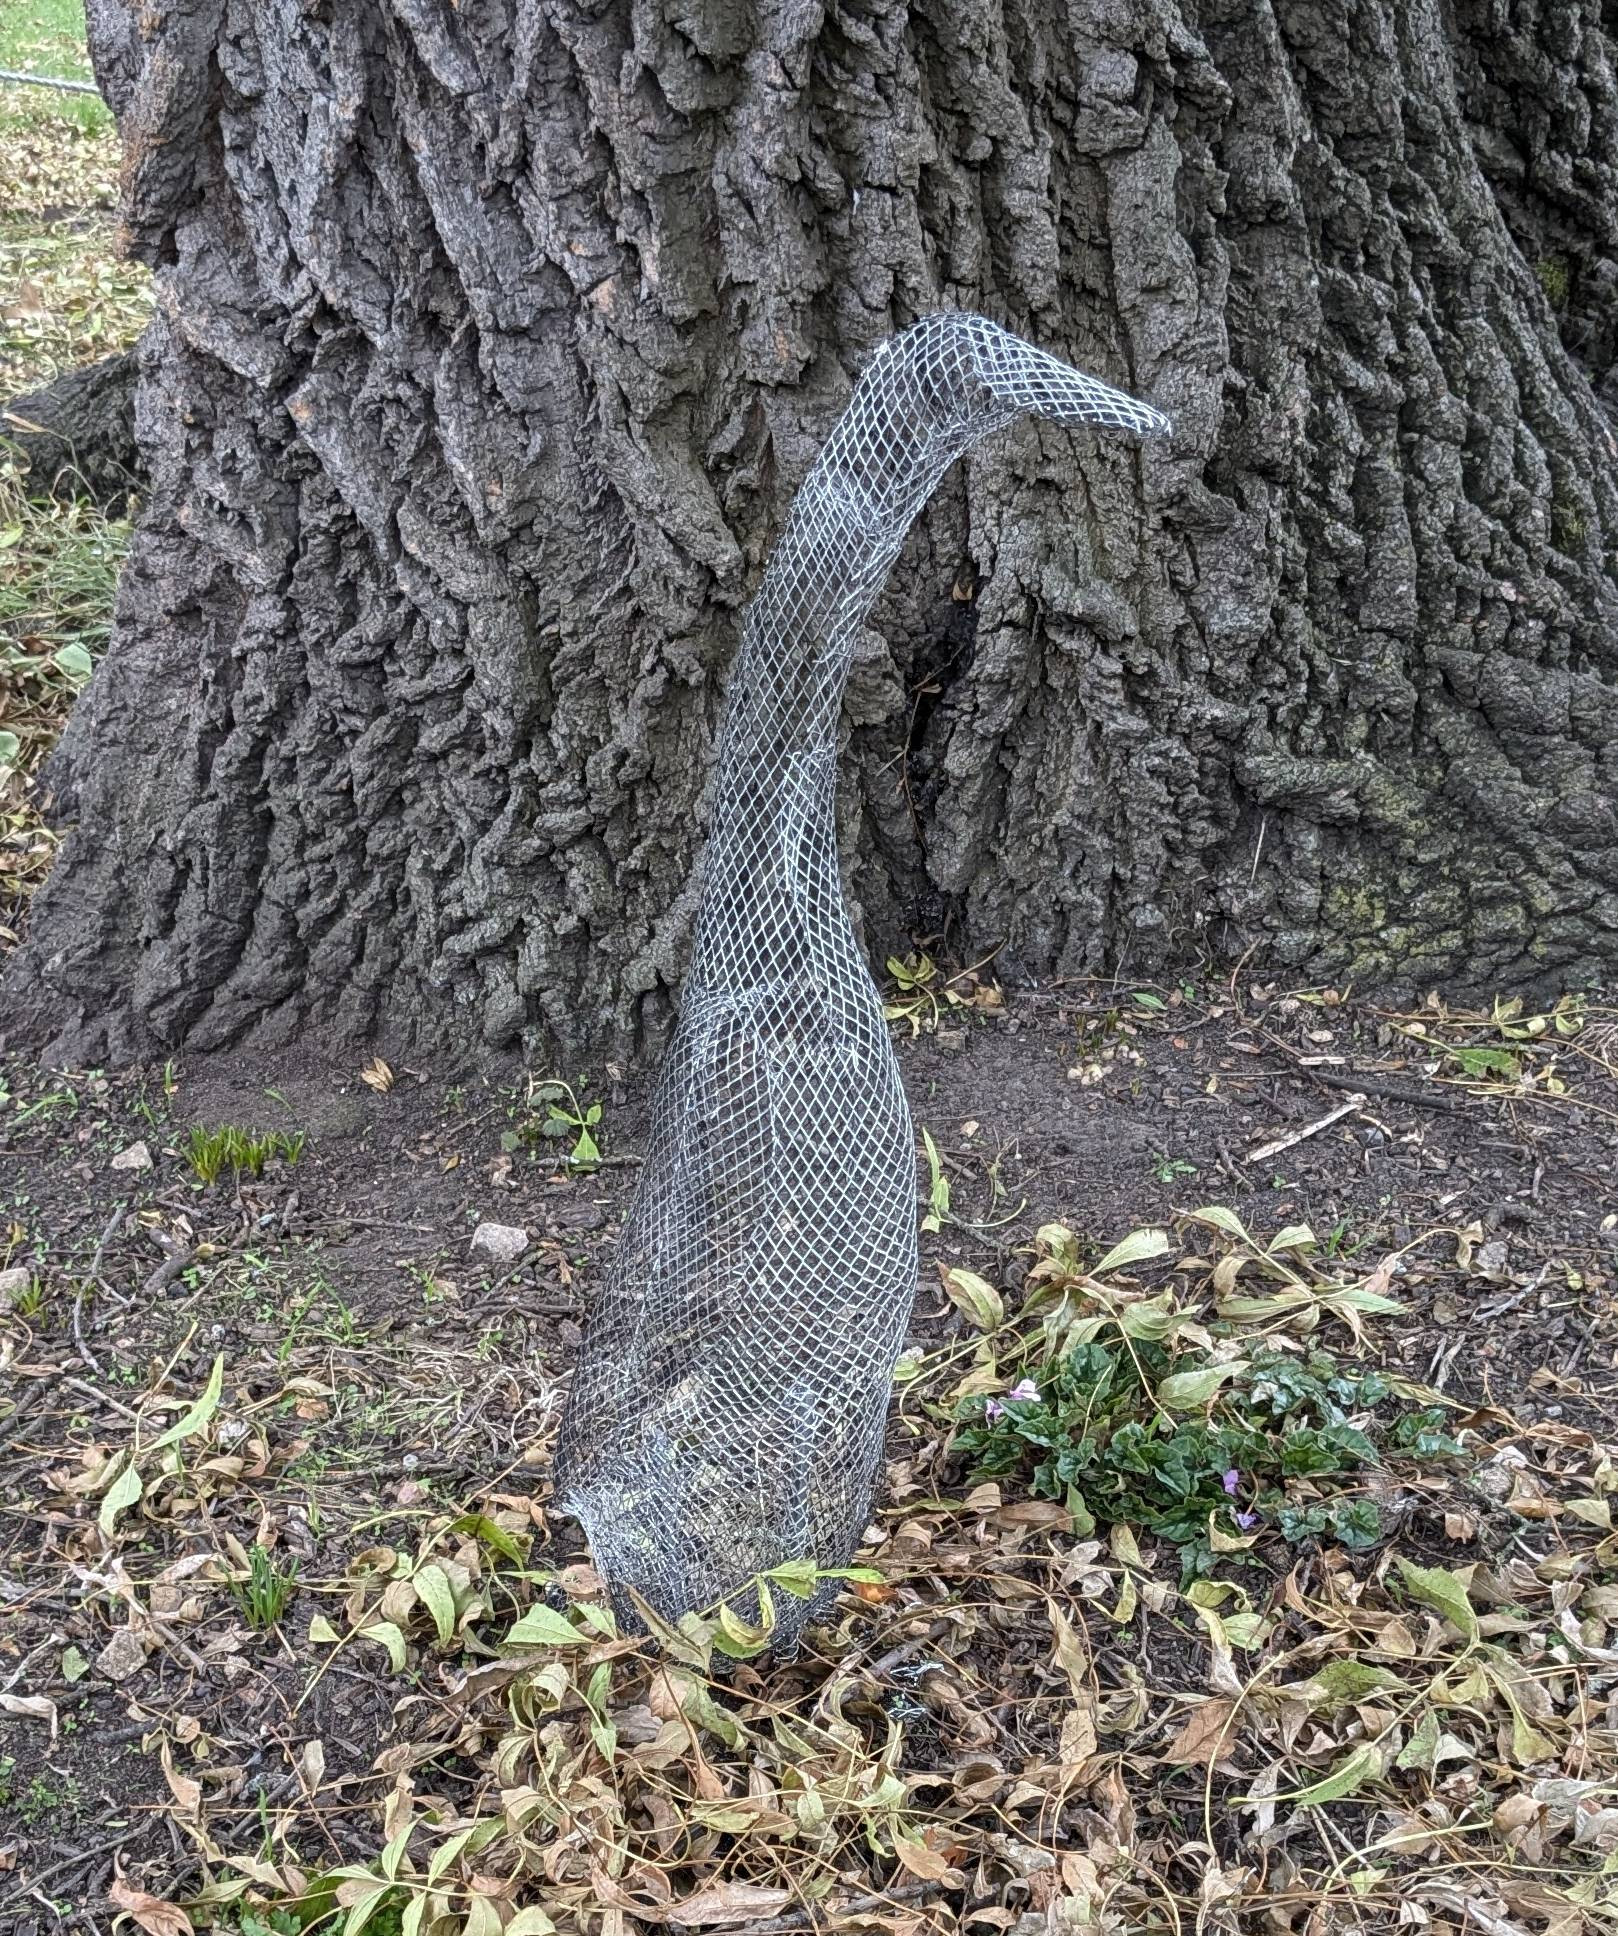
[76,436]
[494,339]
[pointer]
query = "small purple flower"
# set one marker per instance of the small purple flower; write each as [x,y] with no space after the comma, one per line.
[1021,1392]
[1247,1521]
[1232,1480]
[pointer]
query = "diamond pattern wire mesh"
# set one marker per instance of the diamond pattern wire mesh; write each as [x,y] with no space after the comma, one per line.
[729,1408]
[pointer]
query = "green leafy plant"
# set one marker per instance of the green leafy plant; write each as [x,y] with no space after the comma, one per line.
[921,995]
[1171,1169]
[267,1591]
[1485,1064]
[211,1152]
[28,1302]
[566,1115]
[915,998]
[1203,1447]
[266,1922]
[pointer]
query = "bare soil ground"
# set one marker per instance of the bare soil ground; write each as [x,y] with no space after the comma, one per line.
[380,1387]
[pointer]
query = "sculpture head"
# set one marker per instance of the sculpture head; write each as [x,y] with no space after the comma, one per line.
[1026,379]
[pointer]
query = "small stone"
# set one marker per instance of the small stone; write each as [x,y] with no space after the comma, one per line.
[136,1157]
[13,1283]
[122,1656]
[504,1242]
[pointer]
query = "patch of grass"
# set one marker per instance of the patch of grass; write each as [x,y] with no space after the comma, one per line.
[48,37]
[211,1152]
[60,571]
[67,297]
[30,1300]
[59,566]
[267,1591]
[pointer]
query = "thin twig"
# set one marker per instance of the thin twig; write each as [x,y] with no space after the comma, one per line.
[106,1238]
[1356,1101]
[69,1861]
[84,1350]
[171,1268]
[103,1397]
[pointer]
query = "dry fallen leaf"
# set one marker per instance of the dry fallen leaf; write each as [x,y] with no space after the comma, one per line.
[922,1861]
[377,1075]
[157,1918]
[185,1789]
[730,1902]
[36,1706]
[1206,1734]
[1079,1735]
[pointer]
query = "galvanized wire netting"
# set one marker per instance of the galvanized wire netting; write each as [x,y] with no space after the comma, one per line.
[729,1408]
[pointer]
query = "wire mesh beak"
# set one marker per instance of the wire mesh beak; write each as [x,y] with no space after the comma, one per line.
[1028,379]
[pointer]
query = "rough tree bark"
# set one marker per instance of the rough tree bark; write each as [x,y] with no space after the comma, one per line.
[495,337]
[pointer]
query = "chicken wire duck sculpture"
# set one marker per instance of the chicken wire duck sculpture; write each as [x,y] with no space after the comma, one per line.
[729,1408]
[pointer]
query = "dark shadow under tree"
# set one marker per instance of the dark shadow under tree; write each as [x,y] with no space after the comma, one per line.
[493,340]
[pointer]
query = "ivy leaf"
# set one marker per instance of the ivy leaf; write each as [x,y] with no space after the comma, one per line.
[1136,1248]
[434,1592]
[976,1298]
[200,1413]
[1190,1391]
[121,1495]
[543,1626]
[1445,1593]
[1352,1772]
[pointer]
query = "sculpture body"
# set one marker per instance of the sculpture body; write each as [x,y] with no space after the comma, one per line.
[729,1408]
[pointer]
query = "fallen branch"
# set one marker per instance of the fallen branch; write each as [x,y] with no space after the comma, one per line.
[1368,1082]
